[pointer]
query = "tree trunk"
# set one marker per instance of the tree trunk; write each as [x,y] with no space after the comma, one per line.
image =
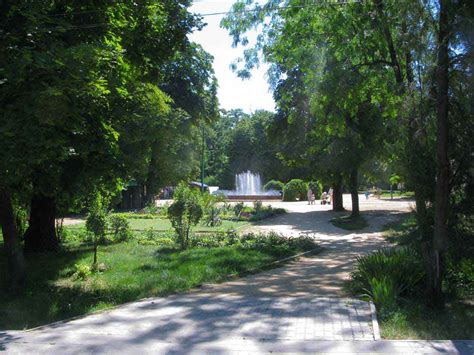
[41,233]
[380,8]
[354,194]
[442,180]
[337,204]
[15,260]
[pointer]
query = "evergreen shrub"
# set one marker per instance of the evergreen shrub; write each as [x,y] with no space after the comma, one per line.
[295,189]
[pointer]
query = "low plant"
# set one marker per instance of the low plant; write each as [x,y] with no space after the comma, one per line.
[387,274]
[151,208]
[82,271]
[384,293]
[238,208]
[258,206]
[120,228]
[155,238]
[136,215]
[212,212]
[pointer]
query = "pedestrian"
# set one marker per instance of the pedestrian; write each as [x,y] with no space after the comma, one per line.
[366,193]
[309,194]
[330,193]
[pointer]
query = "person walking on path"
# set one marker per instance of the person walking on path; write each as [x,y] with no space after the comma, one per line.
[310,196]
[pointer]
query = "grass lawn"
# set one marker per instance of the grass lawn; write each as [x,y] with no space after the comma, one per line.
[349,223]
[397,194]
[132,271]
[164,224]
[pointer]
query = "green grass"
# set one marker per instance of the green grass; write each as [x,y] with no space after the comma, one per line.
[401,232]
[397,194]
[133,271]
[350,223]
[164,224]
[416,321]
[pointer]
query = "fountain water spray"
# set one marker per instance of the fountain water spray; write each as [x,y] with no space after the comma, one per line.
[248,183]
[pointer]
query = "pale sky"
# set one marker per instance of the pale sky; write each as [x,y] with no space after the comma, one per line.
[250,94]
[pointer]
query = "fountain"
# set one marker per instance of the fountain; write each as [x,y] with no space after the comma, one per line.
[248,186]
[248,183]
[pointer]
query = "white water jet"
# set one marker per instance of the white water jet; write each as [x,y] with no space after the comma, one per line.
[248,183]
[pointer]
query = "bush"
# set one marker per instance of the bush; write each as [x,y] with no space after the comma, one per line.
[258,207]
[185,212]
[82,272]
[238,208]
[120,228]
[386,274]
[274,185]
[295,189]
[152,209]
[212,212]
[96,222]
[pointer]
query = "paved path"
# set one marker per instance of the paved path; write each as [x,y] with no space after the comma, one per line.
[301,307]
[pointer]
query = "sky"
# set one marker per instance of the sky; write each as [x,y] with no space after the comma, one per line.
[250,94]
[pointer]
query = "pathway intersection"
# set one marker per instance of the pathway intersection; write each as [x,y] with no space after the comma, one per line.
[300,307]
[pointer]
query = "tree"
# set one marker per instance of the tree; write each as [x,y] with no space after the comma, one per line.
[75,94]
[15,259]
[239,142]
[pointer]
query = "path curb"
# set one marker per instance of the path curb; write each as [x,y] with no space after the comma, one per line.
[375,323]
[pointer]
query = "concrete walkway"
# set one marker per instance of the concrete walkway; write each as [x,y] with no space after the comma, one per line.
[301,307]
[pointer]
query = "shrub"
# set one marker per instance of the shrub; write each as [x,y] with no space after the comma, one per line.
[120,227]
[258,206]
[212,211]
[185,212]
[151,208]
[295,189]
[238,208]
[274,185]
[82,272]
[386,274]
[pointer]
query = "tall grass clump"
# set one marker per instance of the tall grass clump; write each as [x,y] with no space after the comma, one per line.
[386,275]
